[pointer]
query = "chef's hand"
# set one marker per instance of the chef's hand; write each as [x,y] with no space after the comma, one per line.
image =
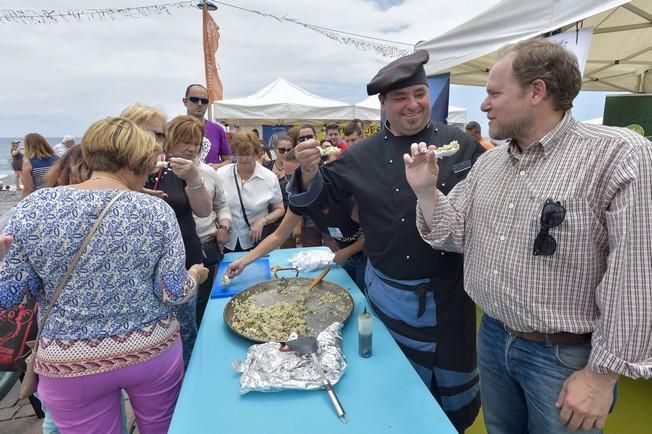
[308,156]
[235,268]
[199,273]
[256,230]
[585,399]
[421,169]
[186,170]
[5,242]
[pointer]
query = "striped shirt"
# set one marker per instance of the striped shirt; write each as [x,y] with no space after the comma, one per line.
[40,167]
[599,280]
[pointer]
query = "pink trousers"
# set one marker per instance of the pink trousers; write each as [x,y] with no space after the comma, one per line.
[91,404]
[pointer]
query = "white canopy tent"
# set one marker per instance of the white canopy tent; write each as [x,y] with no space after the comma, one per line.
[369,110]
[619,58]
[281,102]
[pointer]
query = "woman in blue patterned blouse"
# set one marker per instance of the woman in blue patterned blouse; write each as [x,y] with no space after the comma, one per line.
[112,326]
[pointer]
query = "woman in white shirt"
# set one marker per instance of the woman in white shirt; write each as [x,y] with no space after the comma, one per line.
[253,194]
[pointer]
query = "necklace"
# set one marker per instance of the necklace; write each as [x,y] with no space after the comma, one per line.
[108,178]
[280,169]
[243,179]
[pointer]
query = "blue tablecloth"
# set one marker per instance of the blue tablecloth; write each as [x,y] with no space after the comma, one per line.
[381,394]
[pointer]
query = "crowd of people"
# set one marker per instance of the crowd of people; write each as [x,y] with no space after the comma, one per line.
[120,238]
[179,194]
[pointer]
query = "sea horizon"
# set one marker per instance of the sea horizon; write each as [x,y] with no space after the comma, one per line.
[6,173]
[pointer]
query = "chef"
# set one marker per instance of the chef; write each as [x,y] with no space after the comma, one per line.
[416,291]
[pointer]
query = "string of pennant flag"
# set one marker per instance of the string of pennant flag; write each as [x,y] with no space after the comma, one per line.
[383,47]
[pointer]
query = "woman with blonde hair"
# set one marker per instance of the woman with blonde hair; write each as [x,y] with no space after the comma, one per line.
[111,325]
[39,157]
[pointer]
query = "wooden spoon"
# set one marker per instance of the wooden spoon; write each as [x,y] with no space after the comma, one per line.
[319,278]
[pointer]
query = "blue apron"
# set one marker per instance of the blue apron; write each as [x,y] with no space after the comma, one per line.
[434,325]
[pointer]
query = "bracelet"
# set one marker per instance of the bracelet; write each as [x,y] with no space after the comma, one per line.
[196,186]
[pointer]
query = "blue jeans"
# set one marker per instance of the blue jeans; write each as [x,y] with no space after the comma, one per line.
[520,380]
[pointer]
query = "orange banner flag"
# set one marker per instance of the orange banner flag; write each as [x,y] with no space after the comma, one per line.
[211,42]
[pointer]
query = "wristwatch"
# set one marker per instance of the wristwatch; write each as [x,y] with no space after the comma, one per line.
[228,229]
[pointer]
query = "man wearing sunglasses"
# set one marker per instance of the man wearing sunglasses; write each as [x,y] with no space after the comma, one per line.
[416,291]
[554,227]
[215,149]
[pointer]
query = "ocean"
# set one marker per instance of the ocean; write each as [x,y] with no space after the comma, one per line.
[6,173]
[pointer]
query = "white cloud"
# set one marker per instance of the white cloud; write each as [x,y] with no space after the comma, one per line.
[57,79]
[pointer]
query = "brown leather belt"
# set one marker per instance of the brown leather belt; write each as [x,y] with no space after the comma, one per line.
[562,338]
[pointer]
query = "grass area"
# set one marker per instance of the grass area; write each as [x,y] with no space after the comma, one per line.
[631,415]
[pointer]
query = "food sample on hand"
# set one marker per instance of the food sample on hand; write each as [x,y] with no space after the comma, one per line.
[328,151]
[225,280]
[448,150]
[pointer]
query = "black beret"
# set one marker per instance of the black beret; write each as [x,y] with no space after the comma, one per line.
[403,72]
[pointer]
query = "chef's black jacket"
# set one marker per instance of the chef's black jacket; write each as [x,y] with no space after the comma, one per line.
[373,172]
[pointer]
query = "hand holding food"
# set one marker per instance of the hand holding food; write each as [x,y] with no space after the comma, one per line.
[199,273]
[185,169]
[421,169]
[234,269]
[308,155]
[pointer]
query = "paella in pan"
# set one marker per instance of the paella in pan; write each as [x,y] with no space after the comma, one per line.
[271,310]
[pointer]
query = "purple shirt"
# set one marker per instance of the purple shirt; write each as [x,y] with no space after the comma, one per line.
[217,145]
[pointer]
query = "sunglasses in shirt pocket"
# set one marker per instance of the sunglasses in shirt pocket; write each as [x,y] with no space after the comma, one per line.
[580,233]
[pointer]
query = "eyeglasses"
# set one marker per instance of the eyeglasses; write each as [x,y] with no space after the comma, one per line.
[552,215]
[304,138]
[197,100]
[282,150]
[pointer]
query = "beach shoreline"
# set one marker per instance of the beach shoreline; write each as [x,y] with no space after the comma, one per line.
[9,199]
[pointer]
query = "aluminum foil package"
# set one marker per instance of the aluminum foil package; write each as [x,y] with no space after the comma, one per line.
[269,369]
[311,260]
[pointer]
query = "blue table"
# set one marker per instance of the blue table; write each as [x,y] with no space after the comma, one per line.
[381,394]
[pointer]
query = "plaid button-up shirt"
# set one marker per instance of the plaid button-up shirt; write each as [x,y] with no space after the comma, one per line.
[599,280]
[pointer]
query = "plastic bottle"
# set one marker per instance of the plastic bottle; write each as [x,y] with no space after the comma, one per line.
[365,331]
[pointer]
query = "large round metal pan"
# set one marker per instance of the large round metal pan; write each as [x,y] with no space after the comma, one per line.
[321,313]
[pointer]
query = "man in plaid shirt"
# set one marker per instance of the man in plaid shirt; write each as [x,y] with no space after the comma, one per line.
[555,231]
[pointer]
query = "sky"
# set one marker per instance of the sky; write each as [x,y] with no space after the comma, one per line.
[57,79]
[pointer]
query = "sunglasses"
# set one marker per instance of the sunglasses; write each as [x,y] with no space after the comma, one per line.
[197,100]
[160,137]
[304,138]
[246,155]
[282,150]
[552,215]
